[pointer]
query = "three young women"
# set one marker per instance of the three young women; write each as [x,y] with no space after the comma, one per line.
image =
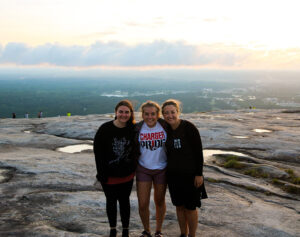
[115,163]
[115,160]
[185,168]
[151,168]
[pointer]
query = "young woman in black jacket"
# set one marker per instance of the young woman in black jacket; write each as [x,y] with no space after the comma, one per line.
[115,162]
[184,167]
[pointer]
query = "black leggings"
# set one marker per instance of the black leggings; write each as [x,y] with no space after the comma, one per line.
[121,193]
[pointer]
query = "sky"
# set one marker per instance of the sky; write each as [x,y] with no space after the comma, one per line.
[143,34]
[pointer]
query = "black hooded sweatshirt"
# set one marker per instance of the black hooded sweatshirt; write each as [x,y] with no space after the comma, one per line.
[113,148]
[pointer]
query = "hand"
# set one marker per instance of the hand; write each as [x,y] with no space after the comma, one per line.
[98,185]
[198,181]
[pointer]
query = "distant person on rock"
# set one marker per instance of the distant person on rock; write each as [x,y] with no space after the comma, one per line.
[115,163]
[151,168]
[184,169]
[40,114]
[26,115]
[14,115]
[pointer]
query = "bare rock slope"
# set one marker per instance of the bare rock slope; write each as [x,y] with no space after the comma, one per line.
[252,192]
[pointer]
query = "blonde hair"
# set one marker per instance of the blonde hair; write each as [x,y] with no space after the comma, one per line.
[173,102]
[150,103]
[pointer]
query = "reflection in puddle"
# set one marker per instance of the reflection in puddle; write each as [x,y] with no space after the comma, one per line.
[261,130]
[27,132]
[82,147]
[216,152]
[241,137]
[209,153]
[2,177]
[75,148]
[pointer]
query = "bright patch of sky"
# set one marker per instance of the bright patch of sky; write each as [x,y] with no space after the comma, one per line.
[247,34]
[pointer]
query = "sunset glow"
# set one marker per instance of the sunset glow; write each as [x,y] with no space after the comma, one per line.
[257,34]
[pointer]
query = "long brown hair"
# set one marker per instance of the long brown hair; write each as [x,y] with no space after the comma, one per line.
[129,105]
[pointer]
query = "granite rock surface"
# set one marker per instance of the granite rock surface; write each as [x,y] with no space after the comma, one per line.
[45,191]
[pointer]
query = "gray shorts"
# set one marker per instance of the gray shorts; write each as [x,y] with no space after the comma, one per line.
[146,175]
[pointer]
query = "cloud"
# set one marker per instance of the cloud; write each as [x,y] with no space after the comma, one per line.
[156,22]
[157,53]
[209,20]
[99,34]
[53,54]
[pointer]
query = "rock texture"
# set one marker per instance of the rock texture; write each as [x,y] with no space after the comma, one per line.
[45,192]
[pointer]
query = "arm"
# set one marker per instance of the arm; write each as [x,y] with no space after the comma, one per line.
[101,163]
[136,145]
[196,144]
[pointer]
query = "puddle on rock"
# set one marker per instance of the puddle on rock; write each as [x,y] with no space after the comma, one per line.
[208,154]
[75,148]
[258,130]
[241,137]
[26,131]
[2,175]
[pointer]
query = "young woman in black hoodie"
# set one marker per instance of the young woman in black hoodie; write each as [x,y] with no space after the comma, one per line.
[115,162]
[184,168]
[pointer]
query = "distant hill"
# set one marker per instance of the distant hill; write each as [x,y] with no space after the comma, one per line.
[90,96]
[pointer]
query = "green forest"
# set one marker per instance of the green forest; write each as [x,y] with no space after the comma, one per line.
[57,97]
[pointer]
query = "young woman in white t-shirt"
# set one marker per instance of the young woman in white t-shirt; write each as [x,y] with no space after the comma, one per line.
[151,168]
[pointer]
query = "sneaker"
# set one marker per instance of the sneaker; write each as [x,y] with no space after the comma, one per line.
[146,234]
[113,233]
[125,233]
[183,235]
[158,234]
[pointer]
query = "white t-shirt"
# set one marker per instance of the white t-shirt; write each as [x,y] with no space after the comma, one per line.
[152,147]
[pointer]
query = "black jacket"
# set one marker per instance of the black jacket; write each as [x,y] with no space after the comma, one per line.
[114,153]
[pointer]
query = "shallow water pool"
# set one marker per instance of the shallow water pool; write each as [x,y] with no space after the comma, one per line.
[258,130]
[75,148]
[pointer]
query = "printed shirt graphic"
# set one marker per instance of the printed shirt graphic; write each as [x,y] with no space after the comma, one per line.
[119,147]
[177,144]
[152,147]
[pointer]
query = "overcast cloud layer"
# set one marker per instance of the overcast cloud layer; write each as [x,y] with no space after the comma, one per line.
[157,53]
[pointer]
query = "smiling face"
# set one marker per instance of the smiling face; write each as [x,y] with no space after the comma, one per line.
[171,115]
[150,116]
[123,114]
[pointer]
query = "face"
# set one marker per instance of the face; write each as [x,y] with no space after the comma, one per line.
[123,114]
[150,116]
[171,114]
